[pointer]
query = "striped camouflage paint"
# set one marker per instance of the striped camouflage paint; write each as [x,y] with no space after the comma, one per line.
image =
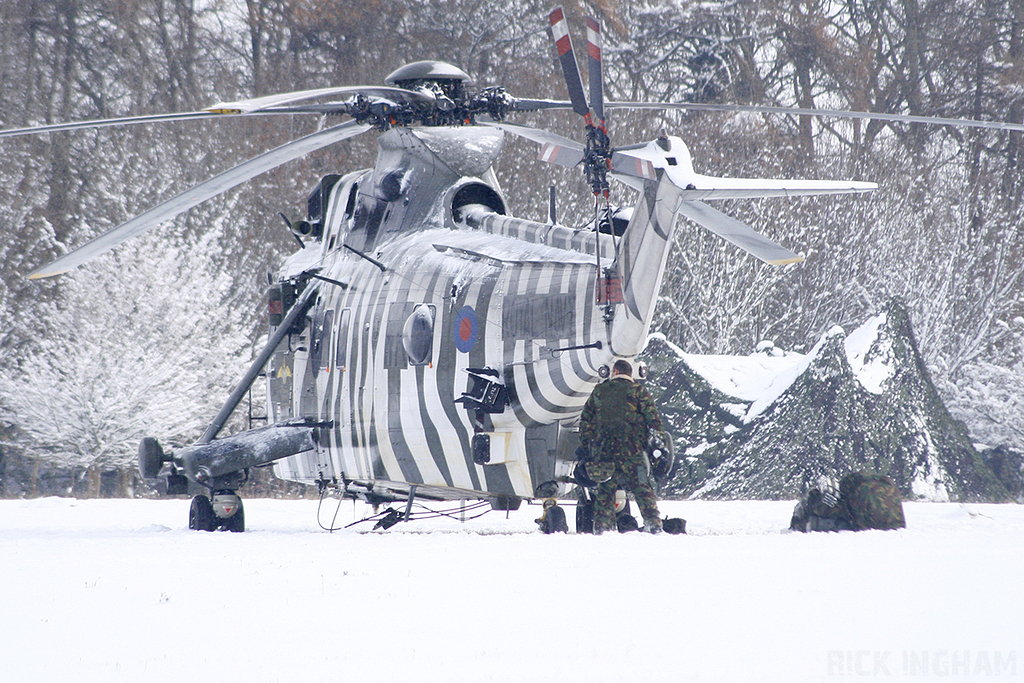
[503,293]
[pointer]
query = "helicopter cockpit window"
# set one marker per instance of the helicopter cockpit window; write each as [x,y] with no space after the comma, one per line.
[338,226]
[366,222]
[350,203]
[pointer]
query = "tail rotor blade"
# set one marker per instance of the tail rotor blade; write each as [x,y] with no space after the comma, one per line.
[571,70]
[594,68]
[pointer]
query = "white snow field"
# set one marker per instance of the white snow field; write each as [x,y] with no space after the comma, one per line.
[121,590]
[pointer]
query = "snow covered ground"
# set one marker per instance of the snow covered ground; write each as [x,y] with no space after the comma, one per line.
[120,590]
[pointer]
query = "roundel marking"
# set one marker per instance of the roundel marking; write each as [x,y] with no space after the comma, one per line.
[465,329]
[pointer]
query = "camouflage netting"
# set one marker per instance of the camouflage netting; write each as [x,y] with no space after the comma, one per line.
[825,424]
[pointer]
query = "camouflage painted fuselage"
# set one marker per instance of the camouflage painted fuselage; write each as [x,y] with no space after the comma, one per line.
[381,358]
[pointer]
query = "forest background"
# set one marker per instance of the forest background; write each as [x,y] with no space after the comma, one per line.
[149,340]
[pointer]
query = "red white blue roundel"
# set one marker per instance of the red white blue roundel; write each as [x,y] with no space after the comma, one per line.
[465,329]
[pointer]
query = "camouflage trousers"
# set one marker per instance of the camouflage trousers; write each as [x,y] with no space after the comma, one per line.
[631,475]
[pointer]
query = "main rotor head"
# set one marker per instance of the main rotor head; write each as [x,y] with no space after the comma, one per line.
[427,70]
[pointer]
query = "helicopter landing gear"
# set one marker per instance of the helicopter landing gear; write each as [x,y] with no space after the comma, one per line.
[225,511]
[200,515]
[624,519]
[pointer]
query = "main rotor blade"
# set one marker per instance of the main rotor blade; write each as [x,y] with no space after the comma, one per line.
[260,104]
[521,104]
[710,187]
[270,104]
[198,194]
[103,123]
[555,148]
[740,234]
[835,113]
[594,75]
[570,69]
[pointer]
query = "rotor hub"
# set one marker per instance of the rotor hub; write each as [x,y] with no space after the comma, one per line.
[432,75]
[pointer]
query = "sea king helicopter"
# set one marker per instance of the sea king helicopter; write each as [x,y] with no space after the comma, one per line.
[424,343]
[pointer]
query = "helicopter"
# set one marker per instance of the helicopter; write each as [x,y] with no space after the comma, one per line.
[423,342]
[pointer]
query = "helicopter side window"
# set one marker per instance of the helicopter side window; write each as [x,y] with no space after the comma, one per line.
[321,328]
[323,348]
[341,352]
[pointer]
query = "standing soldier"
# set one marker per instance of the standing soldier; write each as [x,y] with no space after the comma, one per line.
[618,421]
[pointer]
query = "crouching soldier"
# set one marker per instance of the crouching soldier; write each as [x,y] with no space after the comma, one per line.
[618,421]
[861,500]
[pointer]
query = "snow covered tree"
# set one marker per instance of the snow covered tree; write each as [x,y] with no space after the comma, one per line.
[942,233]
[146,343]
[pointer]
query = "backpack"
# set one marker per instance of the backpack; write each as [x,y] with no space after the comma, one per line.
[863,500]
[614,408]
[872,501]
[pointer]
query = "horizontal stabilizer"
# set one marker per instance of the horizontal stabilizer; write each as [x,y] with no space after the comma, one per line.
[740,234]
[675,161]
[710,187]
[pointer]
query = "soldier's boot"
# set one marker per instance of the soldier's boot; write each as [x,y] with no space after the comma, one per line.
[653,525]
[604,523]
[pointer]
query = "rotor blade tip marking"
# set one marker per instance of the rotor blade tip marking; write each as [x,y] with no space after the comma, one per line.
[41,274]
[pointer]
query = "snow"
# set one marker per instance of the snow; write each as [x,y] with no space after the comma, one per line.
[120,590]
[762,377]
[871,370]
[748,377]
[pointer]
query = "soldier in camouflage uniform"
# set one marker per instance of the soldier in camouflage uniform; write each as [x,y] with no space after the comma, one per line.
[617,423]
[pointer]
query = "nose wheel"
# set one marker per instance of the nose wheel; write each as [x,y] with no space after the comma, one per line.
[225,512]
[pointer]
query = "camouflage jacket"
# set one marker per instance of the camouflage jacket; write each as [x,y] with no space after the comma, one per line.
[620,410]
